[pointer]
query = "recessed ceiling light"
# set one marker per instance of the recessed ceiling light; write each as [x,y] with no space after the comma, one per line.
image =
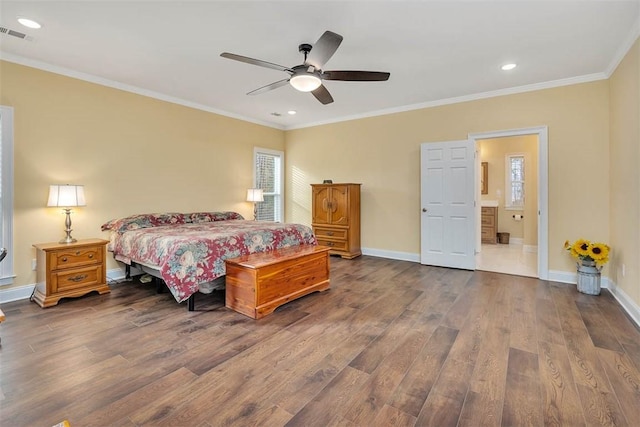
[291,112]
[507,67]
[30,23]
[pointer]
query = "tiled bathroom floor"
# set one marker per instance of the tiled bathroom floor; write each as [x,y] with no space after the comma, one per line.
[509,259]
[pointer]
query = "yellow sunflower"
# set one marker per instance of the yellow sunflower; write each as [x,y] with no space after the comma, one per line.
[580,248]
[599,252]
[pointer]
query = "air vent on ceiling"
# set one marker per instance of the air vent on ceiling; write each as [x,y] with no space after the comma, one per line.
[13,33]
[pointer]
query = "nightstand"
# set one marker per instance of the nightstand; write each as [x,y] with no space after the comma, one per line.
[70,270]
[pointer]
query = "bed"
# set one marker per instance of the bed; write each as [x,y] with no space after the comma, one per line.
[188,251]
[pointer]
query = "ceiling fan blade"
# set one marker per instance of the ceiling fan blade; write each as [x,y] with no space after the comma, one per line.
[356,76]
[323,95]
[254,61]
[269,87]
[324,49]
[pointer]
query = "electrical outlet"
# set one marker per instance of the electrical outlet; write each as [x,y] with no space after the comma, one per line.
[34,264]
[623,270]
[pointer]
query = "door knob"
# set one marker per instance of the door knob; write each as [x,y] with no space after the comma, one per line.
[424,209]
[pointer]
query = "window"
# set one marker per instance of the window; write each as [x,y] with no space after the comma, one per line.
[514,174]
[6,193]
[268,175]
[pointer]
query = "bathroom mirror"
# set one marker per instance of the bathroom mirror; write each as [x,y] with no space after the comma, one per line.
[484,178]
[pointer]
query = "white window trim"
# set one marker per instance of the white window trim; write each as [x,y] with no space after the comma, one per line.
[507,182]
[6,266]
[259,150]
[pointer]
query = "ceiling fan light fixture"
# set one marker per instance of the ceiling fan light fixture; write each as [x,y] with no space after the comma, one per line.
[305,82]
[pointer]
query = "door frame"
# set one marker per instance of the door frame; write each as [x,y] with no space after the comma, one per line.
[542,133]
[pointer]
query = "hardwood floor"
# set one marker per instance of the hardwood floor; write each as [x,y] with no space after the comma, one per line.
[392,343]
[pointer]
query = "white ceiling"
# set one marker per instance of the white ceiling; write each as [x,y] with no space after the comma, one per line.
[436,51]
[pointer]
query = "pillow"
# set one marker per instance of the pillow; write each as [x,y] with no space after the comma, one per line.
[134,222]
[197,217]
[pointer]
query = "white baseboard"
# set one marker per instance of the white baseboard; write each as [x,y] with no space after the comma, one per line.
[530,248]
[117,274]
[623,299]
[17,293]
[400,256]
[516,241]
[562,276]
[24,292]
[569,277]
[632,309]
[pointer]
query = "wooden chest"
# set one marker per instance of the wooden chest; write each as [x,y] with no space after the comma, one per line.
[259,283]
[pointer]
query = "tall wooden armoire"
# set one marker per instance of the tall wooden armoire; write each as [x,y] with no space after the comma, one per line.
[335,218]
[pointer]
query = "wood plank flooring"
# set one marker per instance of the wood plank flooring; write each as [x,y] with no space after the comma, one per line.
[392,343]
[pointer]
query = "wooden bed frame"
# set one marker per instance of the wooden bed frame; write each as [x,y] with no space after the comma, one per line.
[161,286]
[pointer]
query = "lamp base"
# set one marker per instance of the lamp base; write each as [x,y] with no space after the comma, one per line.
[68,229]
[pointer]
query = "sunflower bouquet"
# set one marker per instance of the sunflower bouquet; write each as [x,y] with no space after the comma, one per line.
[585,251]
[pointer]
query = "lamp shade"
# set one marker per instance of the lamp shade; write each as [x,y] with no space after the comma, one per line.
[255,195]
[66,196]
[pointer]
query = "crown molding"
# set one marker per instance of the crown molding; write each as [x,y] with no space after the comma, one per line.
[127,88]
[430,104]
[466,98]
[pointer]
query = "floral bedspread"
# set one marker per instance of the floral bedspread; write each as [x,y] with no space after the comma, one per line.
[193,253]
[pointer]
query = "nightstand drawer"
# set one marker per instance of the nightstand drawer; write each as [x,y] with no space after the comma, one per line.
[76,278]
[76,257]
[330,233]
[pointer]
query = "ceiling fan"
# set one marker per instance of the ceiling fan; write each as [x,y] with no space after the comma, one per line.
[308,76]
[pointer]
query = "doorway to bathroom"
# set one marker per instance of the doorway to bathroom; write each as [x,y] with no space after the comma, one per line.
[512,210]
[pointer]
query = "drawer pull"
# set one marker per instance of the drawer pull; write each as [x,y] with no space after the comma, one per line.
[78,278]
[64,259]
[329,233]
[330,243]
[77,253]
[90,256]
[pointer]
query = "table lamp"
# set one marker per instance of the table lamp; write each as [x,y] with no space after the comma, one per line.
[66,197]
[255,195]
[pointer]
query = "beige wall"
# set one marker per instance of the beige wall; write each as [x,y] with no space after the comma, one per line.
[493,151]
[382,153]
[133,154]
[625,174]
[136,154]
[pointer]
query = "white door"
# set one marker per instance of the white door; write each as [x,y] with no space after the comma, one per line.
[447,190]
